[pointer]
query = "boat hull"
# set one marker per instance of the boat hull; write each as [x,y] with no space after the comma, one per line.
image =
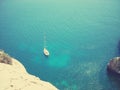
[46,52]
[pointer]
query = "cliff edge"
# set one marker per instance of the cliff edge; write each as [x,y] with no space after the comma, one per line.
[13,76]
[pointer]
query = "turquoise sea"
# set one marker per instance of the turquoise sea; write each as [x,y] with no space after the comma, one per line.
[81,36]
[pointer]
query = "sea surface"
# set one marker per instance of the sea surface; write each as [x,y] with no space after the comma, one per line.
[81,36]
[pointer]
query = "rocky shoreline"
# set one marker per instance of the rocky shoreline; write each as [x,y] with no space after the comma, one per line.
[13,76]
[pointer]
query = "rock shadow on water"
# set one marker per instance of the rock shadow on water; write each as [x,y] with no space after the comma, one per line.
[103,77]
[118,47]
[114,80]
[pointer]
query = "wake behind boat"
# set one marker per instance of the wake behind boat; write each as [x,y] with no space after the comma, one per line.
[46,52]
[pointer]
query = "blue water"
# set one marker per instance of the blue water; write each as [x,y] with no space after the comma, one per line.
[81,36]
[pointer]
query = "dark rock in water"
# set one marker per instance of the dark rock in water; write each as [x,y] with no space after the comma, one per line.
[114,66]
[5,58]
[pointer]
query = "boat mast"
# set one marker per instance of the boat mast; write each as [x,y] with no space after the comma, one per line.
[44,41]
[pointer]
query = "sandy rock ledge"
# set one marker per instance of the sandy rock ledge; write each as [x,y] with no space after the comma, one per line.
[14,77]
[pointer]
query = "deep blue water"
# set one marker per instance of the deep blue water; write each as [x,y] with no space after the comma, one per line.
[81,36]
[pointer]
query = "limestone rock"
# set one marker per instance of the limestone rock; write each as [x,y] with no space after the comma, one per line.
[15,77]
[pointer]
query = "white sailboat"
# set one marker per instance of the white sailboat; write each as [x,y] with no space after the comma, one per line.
[45,51]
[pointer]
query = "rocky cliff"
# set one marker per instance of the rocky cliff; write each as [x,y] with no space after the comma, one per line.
[13,76]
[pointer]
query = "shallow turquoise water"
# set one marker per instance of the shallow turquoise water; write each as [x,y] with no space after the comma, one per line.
[82,36]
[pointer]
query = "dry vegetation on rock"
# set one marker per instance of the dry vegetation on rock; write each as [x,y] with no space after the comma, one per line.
[5,58]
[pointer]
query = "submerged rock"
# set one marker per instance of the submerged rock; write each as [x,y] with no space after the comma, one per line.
[114,66]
